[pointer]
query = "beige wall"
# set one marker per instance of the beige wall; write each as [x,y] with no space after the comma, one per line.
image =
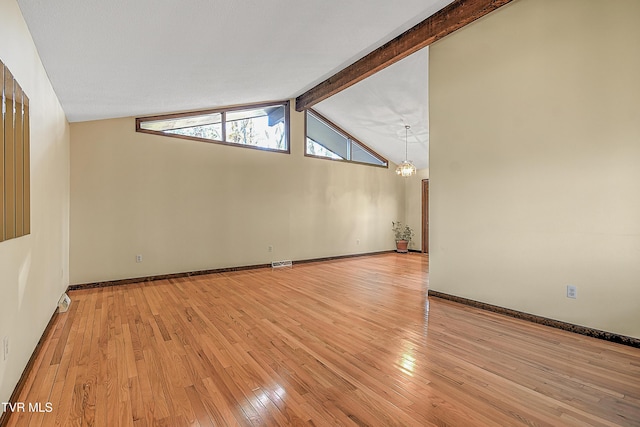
[34,268]
[189,206]
[535,154]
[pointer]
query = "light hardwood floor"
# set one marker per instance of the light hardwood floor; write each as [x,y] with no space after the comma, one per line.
[349,342]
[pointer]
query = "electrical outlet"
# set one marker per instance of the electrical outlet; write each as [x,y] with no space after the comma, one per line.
[572,292]
[270,248]
[358,242]
[64,303]
[138,258]
[5,348]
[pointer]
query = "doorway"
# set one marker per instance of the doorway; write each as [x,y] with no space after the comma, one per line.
[425,216]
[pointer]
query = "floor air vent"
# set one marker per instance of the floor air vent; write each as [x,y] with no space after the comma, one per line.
[280,264]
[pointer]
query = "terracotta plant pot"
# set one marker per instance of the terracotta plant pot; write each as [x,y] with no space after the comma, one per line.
[401,246]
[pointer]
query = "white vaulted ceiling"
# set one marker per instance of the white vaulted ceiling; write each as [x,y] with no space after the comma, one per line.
[122,58]
[377,109]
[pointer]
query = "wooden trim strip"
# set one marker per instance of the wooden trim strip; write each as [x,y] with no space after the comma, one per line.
[4,417]
[333,258]
[27,169]
[131,280]
[212,141]
[203,272]
[3,70]
[18,159]
[442,23]
[558,324]
[9,157]
[237,107]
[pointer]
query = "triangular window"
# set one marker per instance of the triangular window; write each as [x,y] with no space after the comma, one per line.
[261,126]
[326,140]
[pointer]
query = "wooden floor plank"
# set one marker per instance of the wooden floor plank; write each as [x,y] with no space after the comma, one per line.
[351,342]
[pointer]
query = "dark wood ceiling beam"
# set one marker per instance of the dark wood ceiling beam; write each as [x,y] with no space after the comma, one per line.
[442,23]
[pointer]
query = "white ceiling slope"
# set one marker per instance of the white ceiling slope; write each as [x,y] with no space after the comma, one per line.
[377,109]
[123,58]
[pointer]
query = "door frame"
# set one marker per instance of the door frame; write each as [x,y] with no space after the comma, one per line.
[425,216]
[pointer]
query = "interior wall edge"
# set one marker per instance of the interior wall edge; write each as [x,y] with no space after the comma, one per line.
[534,150]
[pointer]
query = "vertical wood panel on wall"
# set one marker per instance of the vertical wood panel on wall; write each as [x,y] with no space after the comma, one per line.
[9,158]
[18,159]
[27,167]
[15,194]
[2,232]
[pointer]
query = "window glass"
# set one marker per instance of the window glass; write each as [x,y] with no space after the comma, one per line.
[361,155]
[315,149]
[326,136]
[264,126]
[208,126]
[326,140]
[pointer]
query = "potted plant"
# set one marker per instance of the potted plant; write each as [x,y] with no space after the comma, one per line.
[403,233]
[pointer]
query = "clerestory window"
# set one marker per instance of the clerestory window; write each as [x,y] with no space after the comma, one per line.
[259,126]
[326,140]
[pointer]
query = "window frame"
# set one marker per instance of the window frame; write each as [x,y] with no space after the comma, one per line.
[223,112]
[348,136]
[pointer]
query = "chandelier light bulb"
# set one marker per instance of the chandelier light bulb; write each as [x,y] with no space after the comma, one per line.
[406,168]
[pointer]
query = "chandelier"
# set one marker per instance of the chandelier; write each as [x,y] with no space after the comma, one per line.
[406,168]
